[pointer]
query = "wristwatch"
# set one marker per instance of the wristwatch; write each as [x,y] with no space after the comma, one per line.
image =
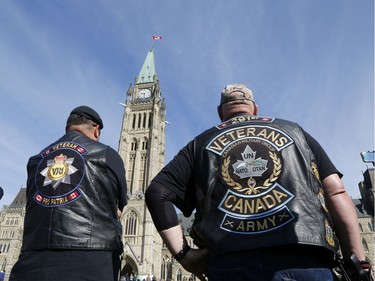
[182,253]
[365,264]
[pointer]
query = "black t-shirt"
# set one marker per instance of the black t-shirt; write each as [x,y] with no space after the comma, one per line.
[170,186]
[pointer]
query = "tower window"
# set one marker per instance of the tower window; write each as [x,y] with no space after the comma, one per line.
[370,226]
[134,117]
[139,120]
[131,224]
[365,246]
[133,146]
[144,145]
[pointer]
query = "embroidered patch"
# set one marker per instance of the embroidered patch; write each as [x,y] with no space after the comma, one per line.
[257,225]
[250,167]
[59,175]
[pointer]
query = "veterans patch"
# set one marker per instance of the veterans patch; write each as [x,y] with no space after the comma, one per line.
[250,167]
[59,174]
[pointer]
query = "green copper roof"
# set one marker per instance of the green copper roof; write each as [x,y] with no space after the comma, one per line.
[148,69]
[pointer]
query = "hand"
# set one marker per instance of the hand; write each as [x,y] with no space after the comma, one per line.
[196,262]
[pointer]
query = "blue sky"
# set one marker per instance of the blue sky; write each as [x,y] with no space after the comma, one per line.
[310,61]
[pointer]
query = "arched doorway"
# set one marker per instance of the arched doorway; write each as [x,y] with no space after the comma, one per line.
[128,267]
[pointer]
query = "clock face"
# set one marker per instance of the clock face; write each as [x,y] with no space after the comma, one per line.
[145,93]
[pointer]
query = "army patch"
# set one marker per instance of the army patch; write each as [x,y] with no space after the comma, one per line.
[250,167]
[257,225]
[59,175]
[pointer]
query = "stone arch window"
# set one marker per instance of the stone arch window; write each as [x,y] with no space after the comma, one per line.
[144,144]
[178,275]
[370,226]
[3,264]
[134,117]
[131,223]
[166,268]
[360,227]
[133,146]
[149,120]
[365,246]
[144,120]
[139,120]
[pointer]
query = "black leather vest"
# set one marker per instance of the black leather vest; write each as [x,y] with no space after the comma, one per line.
[258,186]
[71,203]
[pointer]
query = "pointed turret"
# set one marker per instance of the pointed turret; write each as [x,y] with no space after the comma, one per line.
[148,71]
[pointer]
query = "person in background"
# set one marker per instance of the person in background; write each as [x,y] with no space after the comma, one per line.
[75,188]
[268,201]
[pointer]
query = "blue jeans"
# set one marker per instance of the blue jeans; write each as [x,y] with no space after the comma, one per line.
[270,266]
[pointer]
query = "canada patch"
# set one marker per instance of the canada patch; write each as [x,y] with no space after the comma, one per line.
[59,174]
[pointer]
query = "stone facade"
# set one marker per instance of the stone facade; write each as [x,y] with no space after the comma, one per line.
[11,230]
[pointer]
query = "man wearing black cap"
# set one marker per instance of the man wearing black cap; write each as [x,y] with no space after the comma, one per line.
[266,198]
[75,188]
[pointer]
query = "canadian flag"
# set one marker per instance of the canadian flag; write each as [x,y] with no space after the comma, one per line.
[156,37]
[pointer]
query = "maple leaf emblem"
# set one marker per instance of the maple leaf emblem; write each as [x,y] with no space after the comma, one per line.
[250,166]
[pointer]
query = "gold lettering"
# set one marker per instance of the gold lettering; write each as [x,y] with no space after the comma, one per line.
[272,220]
[226,202]
[281,141]
[223,140]
[279,195]
[238,206]
[241,226]
[263,133]
[215,146]
[262,226]
[273,136]
[250,226]
[250,132]
[249,207]
[259,205]
[270,201]
[59,201]
[241,133]
[46,201]
[231,134]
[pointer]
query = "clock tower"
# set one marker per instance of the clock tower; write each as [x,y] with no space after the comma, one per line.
[142,146]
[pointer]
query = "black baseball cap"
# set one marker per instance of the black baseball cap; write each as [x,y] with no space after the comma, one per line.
[89,113]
